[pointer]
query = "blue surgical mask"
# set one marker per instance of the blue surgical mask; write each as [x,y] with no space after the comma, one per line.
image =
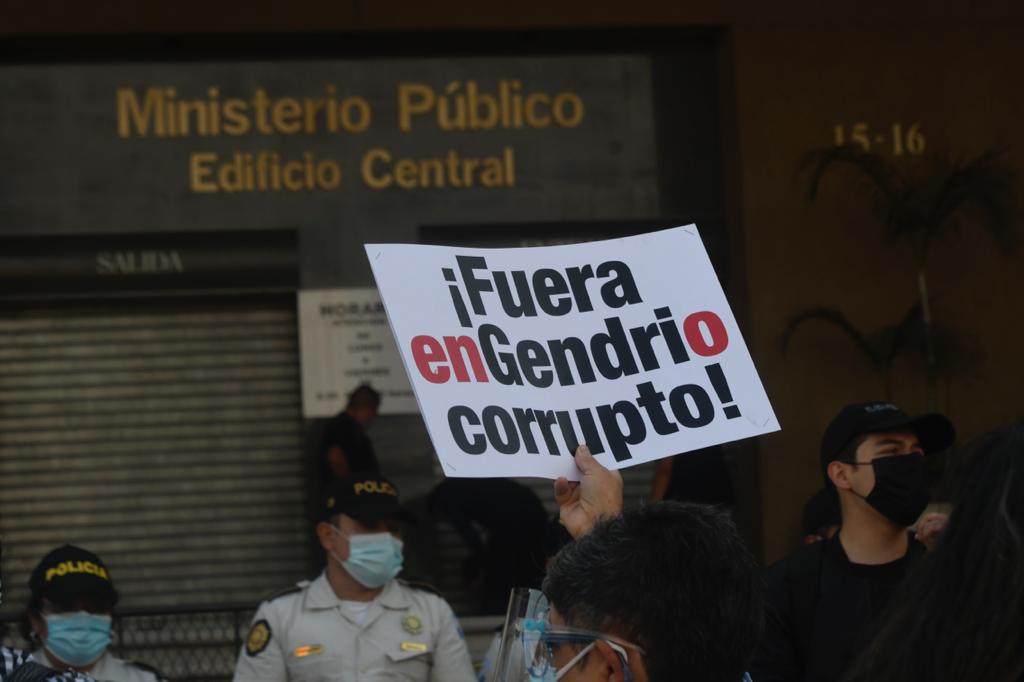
[77,639]
[373,558]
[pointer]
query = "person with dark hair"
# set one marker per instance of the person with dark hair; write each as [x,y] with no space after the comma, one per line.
[821,516]
[697,476]
[661,593]
[357,620]
[555,537]
[69,617]
[960,616]
[345,447]
[512,555]
[825,599]
[673,578]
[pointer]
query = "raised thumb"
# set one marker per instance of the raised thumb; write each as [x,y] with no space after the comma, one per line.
[584,460]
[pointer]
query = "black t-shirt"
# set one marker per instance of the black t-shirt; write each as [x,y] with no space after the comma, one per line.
[348,434]
[822,611]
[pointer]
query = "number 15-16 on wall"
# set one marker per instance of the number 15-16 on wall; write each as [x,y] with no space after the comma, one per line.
[899,140]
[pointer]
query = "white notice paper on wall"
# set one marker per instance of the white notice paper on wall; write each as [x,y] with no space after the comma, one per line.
[518,355]
[345,341]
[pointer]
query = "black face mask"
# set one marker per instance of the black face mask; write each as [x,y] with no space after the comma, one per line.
[901,488]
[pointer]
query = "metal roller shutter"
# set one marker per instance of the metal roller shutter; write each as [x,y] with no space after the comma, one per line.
[163,435]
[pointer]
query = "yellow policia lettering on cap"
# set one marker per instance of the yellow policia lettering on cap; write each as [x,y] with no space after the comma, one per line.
[330,503]
[66,567]
[412,624]
[259,637]
[380,487]
[308,650]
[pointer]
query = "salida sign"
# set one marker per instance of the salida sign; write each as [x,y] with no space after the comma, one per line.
[519,355]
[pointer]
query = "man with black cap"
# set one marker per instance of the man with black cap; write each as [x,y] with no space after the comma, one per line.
[356,621]
[69,615]
[824,600]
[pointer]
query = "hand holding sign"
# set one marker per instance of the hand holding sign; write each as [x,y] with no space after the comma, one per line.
[597,495]
[517,359]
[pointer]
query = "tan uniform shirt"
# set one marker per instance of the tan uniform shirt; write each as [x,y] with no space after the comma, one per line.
[407,634]
[107,669]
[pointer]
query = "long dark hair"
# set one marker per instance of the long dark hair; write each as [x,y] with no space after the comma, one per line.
[960,617]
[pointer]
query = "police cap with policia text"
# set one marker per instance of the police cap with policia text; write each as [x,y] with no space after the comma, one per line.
[367,498]
[69,573]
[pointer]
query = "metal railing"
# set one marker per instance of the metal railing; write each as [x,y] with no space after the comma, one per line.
[185,643]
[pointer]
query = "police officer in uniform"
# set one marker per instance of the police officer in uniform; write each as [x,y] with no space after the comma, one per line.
[69,615]
[18,666]
[356,622]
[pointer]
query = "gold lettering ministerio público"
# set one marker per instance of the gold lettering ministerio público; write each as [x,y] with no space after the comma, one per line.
[161,111]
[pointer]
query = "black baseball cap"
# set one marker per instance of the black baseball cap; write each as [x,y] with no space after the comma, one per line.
[934,431]
[69,573]
[367,498]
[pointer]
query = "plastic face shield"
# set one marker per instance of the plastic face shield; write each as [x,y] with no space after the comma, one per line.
[534,650]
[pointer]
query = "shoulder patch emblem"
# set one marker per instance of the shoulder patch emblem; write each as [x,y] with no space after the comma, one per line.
[258,638]
[412,624]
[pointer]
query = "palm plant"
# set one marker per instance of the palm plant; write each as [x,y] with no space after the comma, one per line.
[919,206]
[881,347]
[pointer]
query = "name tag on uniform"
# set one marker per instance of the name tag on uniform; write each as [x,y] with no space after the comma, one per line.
[308,650]
[414,646]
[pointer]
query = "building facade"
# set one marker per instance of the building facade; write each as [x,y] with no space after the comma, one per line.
[171,182]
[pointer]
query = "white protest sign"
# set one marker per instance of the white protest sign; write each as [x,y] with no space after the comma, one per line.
[518,355]
[345,341]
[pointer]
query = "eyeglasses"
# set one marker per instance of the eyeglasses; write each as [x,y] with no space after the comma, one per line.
[541,641]
[530,643]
